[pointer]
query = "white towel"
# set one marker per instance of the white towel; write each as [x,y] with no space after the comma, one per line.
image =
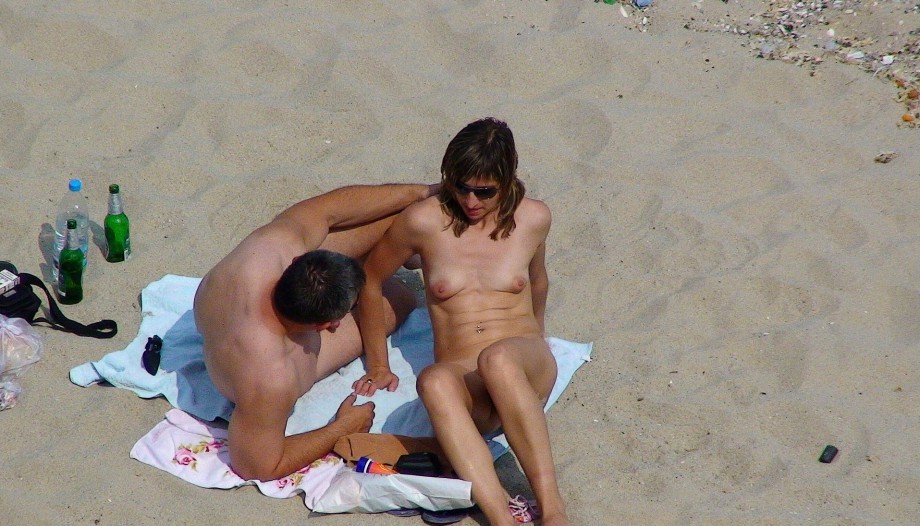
[184,382]
[197,452]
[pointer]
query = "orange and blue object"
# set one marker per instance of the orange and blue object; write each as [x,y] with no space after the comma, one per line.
[367,465]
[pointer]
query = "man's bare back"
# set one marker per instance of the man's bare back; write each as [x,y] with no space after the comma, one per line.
[264,362]
[242,330]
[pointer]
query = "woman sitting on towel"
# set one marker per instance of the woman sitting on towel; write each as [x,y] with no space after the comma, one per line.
[482,246]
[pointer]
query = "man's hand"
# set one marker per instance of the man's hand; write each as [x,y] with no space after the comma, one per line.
[355,418]
[376,378]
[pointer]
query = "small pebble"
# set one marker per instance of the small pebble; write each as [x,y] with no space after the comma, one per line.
[885,157]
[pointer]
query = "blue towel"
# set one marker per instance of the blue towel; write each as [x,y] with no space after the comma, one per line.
[184,381]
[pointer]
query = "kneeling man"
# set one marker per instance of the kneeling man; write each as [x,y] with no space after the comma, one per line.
[275,317]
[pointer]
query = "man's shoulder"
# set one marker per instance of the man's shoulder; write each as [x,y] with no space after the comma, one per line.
[284,232]
[241,279]
[232,306]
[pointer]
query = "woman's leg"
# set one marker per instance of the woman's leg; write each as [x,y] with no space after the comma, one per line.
[457,403]
[519,374]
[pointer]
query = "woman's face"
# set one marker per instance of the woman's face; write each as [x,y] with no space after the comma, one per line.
[478,197]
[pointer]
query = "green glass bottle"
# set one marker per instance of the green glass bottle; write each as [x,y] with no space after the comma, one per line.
[117,231]
[70,271]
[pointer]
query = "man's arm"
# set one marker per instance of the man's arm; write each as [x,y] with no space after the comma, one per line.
[353,205]
[388,254]
[260,451]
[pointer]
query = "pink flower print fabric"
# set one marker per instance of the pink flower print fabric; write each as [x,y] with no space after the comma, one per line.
[198,453]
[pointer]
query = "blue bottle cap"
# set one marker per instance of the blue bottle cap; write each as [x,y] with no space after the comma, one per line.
[363,465]
[75,185]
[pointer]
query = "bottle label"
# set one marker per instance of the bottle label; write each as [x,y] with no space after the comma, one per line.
[115,206]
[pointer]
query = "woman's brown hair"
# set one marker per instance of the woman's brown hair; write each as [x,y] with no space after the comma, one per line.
[482,149]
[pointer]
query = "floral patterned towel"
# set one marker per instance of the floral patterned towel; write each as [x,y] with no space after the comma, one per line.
[196,451]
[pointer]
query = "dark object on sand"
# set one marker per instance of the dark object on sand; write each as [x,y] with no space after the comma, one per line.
[419,463]
[828,455]
[446,516]
[151,356]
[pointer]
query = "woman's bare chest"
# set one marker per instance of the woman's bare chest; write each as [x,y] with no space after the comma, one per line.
[472,264]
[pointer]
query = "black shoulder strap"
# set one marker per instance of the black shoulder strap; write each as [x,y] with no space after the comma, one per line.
[101,329]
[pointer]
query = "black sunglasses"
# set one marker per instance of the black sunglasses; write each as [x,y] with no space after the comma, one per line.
[151,356]
[481,192]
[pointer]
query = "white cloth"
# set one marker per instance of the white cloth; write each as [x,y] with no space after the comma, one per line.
[184,382]
[197,452]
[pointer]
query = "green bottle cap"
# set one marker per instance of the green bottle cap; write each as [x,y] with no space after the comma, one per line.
[113,188]
[71,224]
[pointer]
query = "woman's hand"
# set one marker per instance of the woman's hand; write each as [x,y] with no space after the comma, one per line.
[380,377]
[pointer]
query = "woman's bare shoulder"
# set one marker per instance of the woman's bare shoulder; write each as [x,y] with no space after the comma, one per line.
[534,212]
[424,215]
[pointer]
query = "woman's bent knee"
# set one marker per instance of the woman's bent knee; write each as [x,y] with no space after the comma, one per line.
[436,380]
[498,359]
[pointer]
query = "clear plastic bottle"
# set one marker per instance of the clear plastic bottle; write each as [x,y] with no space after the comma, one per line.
[73,206]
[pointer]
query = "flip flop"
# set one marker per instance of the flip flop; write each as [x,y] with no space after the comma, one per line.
[523,510]
[405,512]
[445,516]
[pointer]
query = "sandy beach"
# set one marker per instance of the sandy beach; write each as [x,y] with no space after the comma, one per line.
[723,232]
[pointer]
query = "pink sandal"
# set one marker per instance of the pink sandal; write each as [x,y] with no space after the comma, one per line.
[523,510]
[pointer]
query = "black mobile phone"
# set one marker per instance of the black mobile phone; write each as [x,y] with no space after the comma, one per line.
[828,455]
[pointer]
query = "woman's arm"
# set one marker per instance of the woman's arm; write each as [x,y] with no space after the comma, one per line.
[539,279]
[539,285]
[387,255]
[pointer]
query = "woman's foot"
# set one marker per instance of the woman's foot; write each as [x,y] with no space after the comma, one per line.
[523,510]
[556,520]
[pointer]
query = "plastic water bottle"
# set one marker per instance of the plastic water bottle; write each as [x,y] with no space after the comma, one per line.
[72,206]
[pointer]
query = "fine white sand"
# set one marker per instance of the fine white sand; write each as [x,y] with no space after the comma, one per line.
[748,273]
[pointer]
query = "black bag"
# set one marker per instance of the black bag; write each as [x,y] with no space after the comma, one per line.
[22,302]
[421,463]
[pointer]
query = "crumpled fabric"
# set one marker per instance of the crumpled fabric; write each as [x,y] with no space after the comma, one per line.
[21,346]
